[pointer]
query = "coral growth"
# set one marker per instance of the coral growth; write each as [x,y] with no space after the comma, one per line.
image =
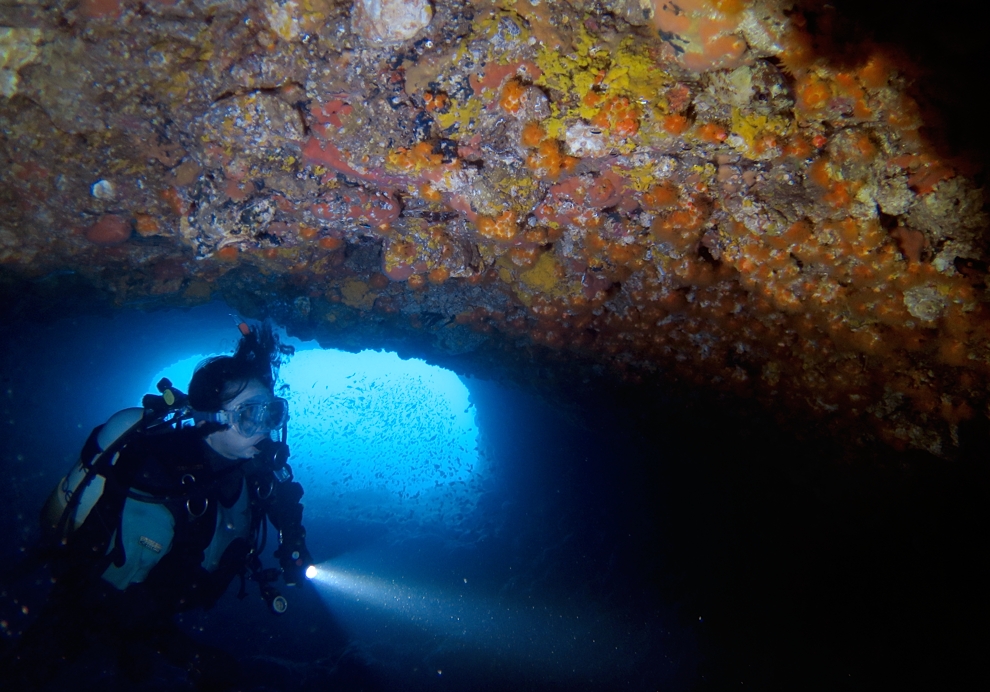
[702,195]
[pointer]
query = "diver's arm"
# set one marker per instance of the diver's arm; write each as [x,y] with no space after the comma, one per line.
[285,513]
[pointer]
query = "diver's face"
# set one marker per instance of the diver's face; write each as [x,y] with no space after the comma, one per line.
[232,443]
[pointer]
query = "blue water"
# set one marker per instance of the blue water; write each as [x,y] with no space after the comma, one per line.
[374,436]
[473,535]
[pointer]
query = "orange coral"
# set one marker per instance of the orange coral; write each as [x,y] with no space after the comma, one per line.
[704,31]
[626,254]
[676,124]
[876,71]
[713,133]
[619,116]
[524,256]
[532,134]
[428,192]
[848,86]
[798,147]
[679,227]
[661,196]
[420,156]
[146,225]
[502,228]
[512,96]
[798,52]
[438,275]
[435,101]
[549,161]
[812,93]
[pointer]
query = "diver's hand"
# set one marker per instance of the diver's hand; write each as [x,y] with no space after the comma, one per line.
[294,561]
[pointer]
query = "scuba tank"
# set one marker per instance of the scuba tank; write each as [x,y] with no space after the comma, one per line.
[75,495]
[77,481]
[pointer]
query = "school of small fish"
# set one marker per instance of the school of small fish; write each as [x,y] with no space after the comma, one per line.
[376,445]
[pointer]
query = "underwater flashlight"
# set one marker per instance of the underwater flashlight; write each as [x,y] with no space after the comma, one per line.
[279,605]
[276,601]
[311,571]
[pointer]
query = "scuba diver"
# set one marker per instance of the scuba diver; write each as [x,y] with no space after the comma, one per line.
[167,505]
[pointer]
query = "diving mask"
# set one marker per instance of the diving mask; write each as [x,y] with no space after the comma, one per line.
[255,418]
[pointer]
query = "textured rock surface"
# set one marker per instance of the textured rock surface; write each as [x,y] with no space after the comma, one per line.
[391,21]
[18,47]
[706,195]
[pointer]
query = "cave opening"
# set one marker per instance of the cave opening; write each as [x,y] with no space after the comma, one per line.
[374,436]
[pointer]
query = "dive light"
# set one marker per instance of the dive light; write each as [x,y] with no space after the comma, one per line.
[276,601]
[269,594]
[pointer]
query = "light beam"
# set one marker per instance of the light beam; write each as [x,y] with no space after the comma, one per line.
[463,623]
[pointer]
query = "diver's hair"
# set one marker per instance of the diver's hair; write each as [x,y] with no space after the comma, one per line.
[219,379]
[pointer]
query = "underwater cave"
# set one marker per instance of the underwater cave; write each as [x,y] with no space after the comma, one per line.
[617,540]
[637,345]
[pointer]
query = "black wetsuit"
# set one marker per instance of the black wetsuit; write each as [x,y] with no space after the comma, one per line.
[178,470]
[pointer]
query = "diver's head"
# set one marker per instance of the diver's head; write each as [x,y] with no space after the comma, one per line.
[238,392]
[249,418]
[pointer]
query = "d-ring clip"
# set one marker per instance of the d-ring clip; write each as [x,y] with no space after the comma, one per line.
[271,488]
[194,515]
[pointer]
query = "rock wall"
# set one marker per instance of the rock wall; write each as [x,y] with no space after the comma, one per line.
[740,196]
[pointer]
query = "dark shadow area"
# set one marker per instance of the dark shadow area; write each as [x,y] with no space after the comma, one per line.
[945,44]
[626,540]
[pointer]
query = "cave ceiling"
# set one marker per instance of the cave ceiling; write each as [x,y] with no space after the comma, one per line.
[725,194]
